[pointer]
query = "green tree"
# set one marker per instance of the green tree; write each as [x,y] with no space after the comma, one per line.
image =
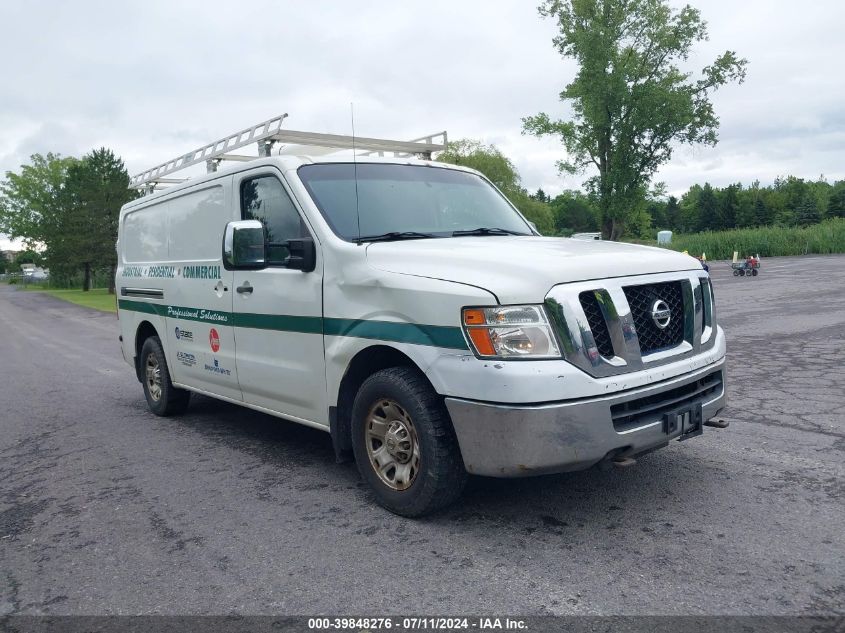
[821,190]
[762,213]
[786,197]
[707,203]
[541,196]
[728,207]
[491,162]
[28,256]
[96,188]
[657,211]
[689,219]
[31,202]
[808,211]
[673,212]
[487,159]
[836,203]
[745,216]
[69,208]
[573,212]
[630,100]
[539,213]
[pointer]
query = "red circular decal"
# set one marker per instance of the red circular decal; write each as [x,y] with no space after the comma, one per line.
[214,340]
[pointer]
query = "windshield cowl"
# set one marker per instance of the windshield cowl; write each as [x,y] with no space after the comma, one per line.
[393,236]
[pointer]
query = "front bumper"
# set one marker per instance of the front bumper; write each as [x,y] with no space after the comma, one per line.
[507,440]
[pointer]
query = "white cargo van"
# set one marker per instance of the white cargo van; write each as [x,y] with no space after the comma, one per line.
[408,309]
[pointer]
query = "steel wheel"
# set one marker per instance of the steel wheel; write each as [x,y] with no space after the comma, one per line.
[392,444]
[153,377]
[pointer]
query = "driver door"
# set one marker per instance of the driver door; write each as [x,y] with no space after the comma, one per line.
[277,310]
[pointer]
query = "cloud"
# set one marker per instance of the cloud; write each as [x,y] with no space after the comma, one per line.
[154,80]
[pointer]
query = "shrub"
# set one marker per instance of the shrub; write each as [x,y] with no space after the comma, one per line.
[825,238]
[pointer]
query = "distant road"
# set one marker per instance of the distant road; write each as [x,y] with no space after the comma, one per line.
[105,508]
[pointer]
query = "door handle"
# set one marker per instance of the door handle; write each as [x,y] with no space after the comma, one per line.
[245,289]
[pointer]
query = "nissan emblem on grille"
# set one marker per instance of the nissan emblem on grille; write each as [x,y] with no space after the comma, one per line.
[661,314]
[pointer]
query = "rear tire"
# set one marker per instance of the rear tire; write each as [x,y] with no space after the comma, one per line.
[404,443]
[162,397]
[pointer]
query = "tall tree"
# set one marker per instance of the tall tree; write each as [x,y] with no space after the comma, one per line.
[745,216]
[808,211]
[573,213]
[708,220]
[673,212]
[630,100]
[69,208]
[656,208]
[728,207]
[31,202]
[97,186]
[836,204]
[689,218]
[541,196]
[762,213]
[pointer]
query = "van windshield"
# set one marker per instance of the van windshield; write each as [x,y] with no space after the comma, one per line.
[408,201]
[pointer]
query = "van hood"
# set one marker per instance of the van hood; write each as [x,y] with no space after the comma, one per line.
[522,269]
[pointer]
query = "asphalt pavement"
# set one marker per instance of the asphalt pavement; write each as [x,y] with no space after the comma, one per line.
[107,509]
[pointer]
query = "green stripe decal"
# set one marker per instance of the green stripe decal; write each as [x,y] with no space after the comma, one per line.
[280,323]
[433,335]
[417,334]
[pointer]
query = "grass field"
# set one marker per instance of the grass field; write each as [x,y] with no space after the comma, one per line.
[825,238]
[98,298]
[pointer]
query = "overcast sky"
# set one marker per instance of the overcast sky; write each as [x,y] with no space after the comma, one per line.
[152,80]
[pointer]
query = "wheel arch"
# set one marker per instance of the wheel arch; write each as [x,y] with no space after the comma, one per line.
[363,365]
[145,330]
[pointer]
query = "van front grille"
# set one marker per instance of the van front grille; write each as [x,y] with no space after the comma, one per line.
[614,326]
[641,300]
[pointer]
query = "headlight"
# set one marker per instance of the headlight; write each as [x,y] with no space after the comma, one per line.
[510,332]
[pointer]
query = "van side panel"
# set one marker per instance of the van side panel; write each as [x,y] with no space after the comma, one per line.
[200,324]
[171,273]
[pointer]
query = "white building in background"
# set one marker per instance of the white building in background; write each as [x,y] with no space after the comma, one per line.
[31,271]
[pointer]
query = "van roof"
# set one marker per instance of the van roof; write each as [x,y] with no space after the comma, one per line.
[286,163]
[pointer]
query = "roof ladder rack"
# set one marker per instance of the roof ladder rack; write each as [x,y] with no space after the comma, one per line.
[266,134]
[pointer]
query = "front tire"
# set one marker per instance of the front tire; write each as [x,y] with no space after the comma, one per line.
[162,397]
[404,443]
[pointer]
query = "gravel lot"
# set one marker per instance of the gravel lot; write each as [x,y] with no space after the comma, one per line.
[106,509]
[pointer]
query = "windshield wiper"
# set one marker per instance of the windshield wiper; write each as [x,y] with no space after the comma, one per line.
[484,230]
[395,235]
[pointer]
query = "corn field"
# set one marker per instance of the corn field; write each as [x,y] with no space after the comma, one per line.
[819,239]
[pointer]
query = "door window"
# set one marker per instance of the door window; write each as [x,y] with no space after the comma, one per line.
[264,199]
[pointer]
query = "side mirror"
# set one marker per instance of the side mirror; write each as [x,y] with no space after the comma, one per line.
[534,226]
[303,254]
[243,245]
